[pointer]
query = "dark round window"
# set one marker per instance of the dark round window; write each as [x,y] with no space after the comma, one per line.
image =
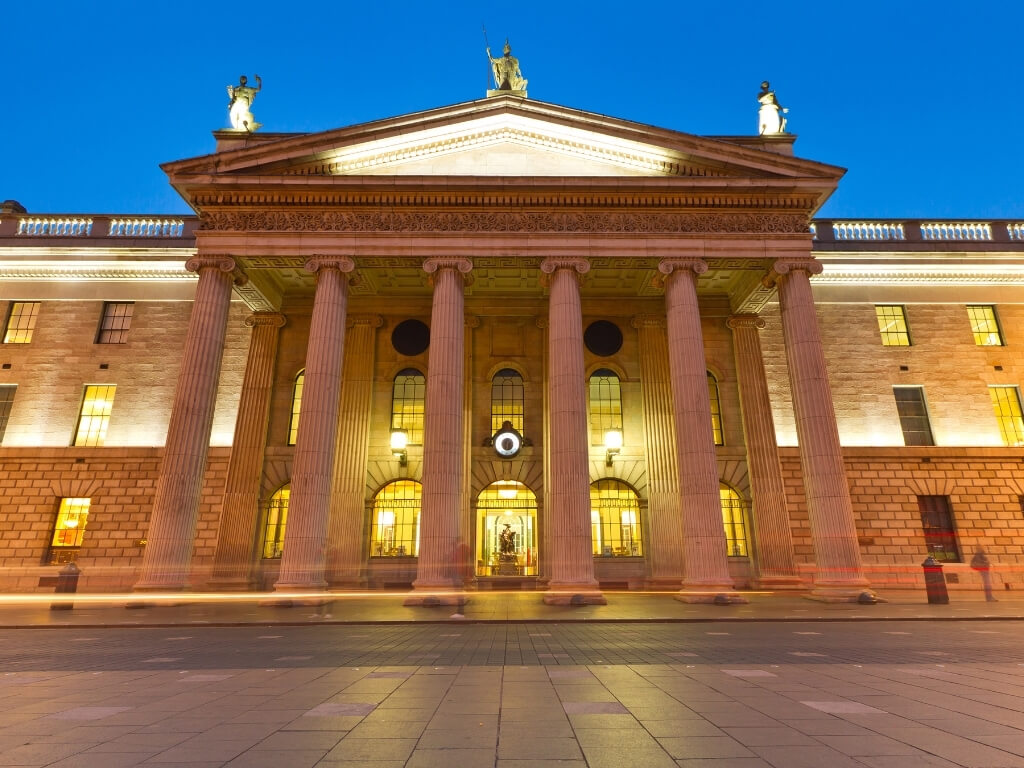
[410,337]
[603,338]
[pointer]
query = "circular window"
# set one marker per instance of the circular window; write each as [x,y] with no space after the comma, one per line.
[410,337]
[603,338]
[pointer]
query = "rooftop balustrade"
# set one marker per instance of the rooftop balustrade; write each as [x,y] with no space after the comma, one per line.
[92,226]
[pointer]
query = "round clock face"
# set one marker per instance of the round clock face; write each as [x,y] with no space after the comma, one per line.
[507,443]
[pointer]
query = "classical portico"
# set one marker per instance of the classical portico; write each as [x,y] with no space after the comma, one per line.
[499,214]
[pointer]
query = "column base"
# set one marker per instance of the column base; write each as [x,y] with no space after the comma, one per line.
[427,597]
[230,584]
[717,594]
[297,597]
[663,584]
[838,594]
[574,594]
[780,582]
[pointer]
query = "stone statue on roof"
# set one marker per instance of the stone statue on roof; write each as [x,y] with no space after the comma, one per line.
[507,76]
[240,106]
[770,121]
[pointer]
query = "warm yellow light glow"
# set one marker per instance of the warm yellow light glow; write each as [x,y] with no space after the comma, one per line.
[613,440]
[399,439]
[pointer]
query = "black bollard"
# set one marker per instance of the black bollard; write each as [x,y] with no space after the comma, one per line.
[935,582]
[67,584]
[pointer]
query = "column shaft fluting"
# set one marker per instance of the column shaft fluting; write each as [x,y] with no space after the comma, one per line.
[775,565]
[664,524]
[172,527]
[233,557]
[705,558]
[305,543]
[568,507]
[443,429]
[833,530]
[345,527]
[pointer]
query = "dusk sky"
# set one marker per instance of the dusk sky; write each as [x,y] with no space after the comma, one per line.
[918,100]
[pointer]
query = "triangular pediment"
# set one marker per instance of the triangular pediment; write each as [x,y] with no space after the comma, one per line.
[501,137]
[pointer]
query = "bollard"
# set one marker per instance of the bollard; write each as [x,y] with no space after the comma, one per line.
[67,583]
[934,581]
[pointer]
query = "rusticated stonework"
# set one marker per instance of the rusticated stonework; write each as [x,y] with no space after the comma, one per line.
[501,221]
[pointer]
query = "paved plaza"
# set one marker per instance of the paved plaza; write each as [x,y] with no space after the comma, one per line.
[755,691]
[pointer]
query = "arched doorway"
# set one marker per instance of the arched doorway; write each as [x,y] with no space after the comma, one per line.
[506,530]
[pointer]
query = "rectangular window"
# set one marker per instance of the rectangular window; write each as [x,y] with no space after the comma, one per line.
[1006,404]
[913,416]
[605,405]
[95,415]
[117,319]
[21,321]
[6,402]
[939,535]
[68,531]
[892,324]
[985,326]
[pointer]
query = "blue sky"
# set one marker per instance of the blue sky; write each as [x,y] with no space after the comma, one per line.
[917,99]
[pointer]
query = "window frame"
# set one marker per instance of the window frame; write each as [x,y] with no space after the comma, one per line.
[410,420]
[113,324]
[604,419]
[510,404]
[94,438]
[275,523]
[22,332]
[605,529]
[734,519]
[940,539]
[298,384]
[980,335]
[404,543]
[905,418]
[715,401]
[1008,422]
[61,553]
[6,406]
[902,337]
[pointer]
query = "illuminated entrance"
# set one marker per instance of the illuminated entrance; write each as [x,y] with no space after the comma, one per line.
[506,530]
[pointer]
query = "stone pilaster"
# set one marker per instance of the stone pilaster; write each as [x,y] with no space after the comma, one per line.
[572,578]
[233,558]
[305,539]
[172,526]
[664,520]
[443,459]
[839,574]
[705,560]
[775,566]
[345,553]
[466,505]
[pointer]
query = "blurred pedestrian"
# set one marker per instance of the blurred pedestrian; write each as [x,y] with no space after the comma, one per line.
[981,564]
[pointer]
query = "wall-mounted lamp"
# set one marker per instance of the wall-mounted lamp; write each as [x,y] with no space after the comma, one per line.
[612,445]
[399,440]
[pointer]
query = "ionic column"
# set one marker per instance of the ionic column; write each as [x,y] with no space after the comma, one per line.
[839,574]
[305,537]
[172,527]
[664,521]
[233,558]
[705,558]
[568,505]
[442,433]
[775,566]
[345,554]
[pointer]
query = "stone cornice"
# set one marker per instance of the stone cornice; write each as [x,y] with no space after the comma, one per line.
[84,271]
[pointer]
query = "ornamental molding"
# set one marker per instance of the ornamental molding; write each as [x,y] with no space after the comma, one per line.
[108,271]
[264,318]
[433,222]
[745,321]
[648,321]
[924,276]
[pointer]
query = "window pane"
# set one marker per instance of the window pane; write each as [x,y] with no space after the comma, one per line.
[68,530]
[21,322]
[117,319]
[892,324]
[95,415]
[985,326]
[395,520]
[734,521]
[913,416]
[716,410]
[1006,404]
[507,400]
[605,405]
[407,398]
[615,519]
[937,522]
[277,517]
[6,402]
[293,424]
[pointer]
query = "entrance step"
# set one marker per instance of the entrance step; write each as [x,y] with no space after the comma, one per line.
[485,583]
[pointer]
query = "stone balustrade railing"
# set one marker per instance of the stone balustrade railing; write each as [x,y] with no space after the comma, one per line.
[916,230]
[97,226]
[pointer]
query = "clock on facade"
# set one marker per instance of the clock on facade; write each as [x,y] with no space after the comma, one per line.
[507,441]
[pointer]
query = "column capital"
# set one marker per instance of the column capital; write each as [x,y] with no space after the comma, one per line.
[553,263]
[374,321]
[784,266]
[647,321]
[273,319]
[668,266]
[745,321]
[432,265]
[218,261]
[341,263]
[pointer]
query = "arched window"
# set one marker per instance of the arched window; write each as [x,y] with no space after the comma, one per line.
[407,396]
[615,519]
[293,425]
[605,405]
[733,519]
[395,520]
[507,400]
[277,516]
[716,409]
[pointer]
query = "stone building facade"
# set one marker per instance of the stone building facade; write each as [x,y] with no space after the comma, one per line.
[374,347]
